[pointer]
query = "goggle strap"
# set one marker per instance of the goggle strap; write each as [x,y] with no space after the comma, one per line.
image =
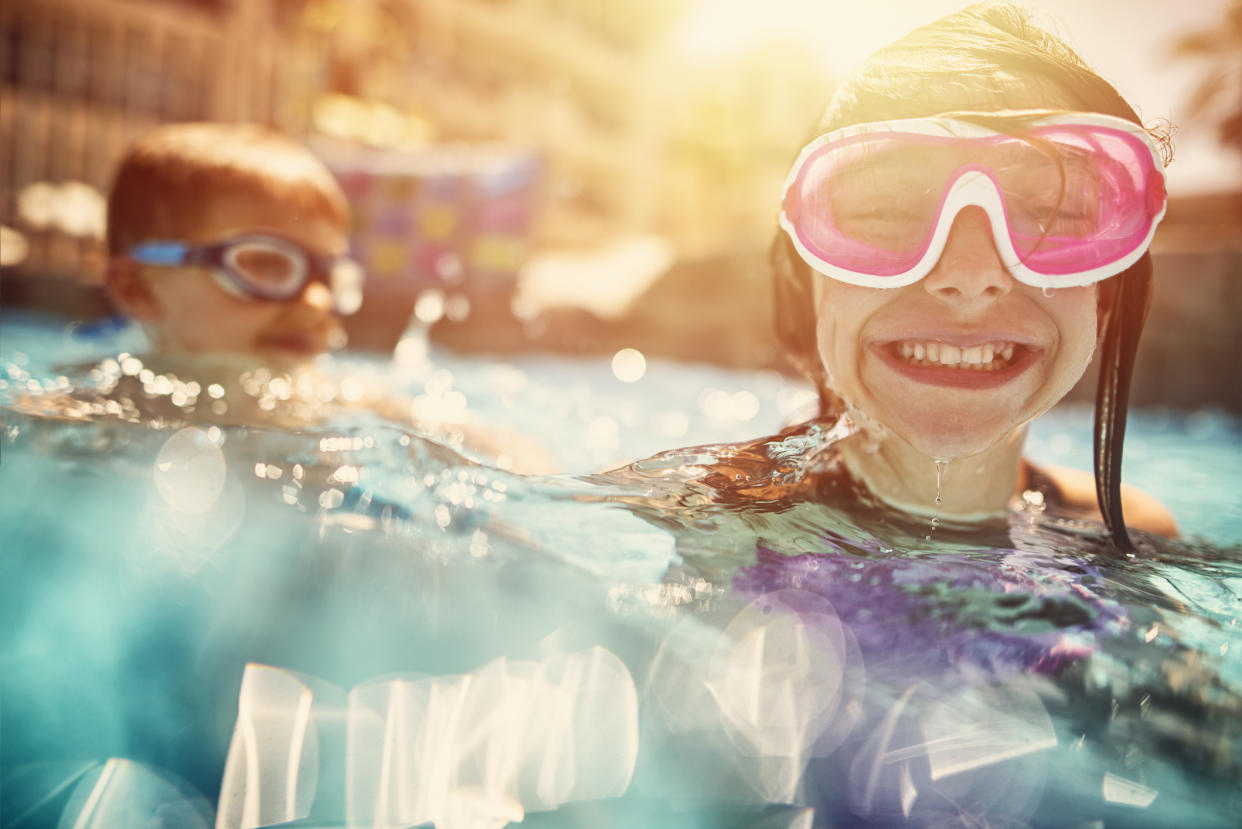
[166,254]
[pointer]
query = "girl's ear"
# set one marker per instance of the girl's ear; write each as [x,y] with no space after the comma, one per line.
[129,291]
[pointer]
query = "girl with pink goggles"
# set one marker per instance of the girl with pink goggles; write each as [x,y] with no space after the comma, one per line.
[1072,198]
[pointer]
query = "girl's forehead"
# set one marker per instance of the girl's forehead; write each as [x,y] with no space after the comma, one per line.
[1004,91]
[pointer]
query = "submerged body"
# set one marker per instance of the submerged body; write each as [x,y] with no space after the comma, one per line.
[963,668]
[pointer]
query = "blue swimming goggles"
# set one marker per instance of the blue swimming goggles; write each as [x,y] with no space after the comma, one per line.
[262,266]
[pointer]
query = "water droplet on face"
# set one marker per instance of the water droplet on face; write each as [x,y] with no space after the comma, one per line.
[1048,291]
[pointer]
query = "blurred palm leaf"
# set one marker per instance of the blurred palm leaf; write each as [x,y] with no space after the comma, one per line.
[1219,93]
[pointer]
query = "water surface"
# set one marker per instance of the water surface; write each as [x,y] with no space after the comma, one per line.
[349,622]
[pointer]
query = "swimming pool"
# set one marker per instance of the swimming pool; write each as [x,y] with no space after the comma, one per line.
[351,626]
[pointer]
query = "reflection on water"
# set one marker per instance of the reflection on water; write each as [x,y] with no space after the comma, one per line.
[123,793]
[510,737]
[354,626]
[478,749]
[782,682]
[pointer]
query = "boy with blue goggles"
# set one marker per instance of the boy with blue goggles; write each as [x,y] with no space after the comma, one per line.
[262,266]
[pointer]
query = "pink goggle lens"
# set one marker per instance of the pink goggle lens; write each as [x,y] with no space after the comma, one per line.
[1073,198]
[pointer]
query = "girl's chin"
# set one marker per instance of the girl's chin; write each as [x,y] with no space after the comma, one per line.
[950,444]
[945,433]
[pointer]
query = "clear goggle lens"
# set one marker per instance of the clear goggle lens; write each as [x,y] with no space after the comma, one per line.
[274,270]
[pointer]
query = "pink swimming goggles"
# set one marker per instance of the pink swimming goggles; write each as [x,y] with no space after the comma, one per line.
[1072,199]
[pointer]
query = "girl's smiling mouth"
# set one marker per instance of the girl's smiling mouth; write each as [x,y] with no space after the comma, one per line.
[975,365]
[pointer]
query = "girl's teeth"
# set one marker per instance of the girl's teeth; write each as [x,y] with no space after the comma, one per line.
[988,357]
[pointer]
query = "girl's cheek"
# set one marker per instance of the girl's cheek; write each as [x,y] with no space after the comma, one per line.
[1083,325]
[825,334]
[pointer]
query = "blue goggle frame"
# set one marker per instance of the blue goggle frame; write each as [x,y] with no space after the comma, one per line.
[342,275]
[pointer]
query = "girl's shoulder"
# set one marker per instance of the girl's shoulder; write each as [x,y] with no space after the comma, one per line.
[1075,495]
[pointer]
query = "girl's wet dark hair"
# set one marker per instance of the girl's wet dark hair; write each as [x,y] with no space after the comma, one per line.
[988,57]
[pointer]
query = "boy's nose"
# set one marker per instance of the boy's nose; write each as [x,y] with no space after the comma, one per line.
[317,295]
[970,269]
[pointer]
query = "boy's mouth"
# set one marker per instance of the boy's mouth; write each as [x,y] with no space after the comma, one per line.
[980,365]
[297,342]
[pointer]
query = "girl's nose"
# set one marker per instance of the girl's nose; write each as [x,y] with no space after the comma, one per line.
[970,270]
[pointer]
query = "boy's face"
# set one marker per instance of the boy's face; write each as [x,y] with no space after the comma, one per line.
[193,314]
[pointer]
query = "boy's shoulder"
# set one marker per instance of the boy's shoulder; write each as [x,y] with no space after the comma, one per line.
[1142,510]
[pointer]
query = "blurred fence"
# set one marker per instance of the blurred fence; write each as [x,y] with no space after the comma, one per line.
[80,79]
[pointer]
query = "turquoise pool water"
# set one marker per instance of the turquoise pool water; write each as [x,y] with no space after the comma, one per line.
[353,626]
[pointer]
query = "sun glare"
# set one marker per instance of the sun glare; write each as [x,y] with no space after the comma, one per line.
[841,32]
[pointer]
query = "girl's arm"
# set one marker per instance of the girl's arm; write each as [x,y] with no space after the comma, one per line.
[1142,511]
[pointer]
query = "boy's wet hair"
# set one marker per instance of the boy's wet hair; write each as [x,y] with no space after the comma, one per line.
[983,54]
[165,180]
